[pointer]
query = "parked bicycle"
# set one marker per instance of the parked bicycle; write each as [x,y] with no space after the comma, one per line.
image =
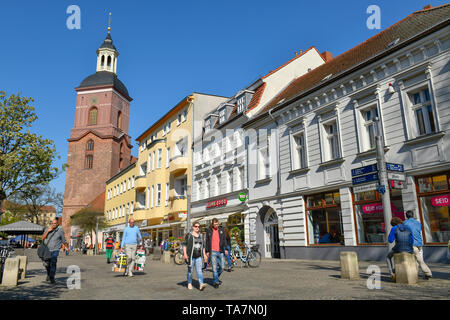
[251,257]
[178,256]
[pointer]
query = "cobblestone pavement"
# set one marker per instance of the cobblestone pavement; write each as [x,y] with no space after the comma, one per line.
[273,280]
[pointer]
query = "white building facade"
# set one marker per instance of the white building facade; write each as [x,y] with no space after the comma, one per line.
[302,202]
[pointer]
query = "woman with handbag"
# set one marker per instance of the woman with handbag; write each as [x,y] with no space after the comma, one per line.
[49,250]
[193,253]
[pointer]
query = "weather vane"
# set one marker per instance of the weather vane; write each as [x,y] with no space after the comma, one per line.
[109,23]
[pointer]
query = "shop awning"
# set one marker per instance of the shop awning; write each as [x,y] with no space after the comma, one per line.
[160,226]
[221,217]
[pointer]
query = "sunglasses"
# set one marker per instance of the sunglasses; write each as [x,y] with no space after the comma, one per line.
[196,226]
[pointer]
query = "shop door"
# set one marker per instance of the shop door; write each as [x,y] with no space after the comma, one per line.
[274,241]
[268,245]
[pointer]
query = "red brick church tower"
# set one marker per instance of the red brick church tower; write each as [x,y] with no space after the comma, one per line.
[99,144]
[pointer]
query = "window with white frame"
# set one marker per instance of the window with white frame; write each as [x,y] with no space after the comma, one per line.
[167,194]
[163,130]
[178,119]
[149,161]
[167,157]
[222,116]
[331,141]
[147,197]
[129,183]
[132,207]
[299,151]
[153,160]
[423,111]
[159,162]
[241,104]
[241,178]
[181,147]
[184,115]
[132,182]
[168,127]
[218,184]
[158,195]
[207,125]
[263,156]
[205,154]
[152,197]
[230,181]
[199,190]
[369,127]
[207,186]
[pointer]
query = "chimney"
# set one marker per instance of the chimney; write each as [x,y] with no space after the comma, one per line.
[327,56]
[428,7]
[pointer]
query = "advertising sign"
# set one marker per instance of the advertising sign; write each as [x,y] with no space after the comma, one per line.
[441,201]
[217,203]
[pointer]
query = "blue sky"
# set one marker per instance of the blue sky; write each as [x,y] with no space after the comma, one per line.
[168,49]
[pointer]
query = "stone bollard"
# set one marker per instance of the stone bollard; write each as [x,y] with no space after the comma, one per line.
[349,265]
[166,257]
[22,267]
[405,268]
[11,272]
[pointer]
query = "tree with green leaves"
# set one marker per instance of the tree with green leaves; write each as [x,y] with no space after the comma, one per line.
[25,158]
[89,221]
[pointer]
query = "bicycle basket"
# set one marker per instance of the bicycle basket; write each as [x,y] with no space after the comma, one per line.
[255,247]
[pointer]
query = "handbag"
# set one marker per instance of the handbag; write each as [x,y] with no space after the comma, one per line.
[43,252]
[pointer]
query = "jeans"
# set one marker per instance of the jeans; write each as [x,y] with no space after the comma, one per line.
[197,264]
[217,263]
[229,256]
[390,262]
[50,264]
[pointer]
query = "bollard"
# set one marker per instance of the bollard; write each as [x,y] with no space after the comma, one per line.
[11,272]
[166,257]
[405,268]
[22,267]
[349,265]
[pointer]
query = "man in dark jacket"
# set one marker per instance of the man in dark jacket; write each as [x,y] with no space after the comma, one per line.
[404,240]
[216,246]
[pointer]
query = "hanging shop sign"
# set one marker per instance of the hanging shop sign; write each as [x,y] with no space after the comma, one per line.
[217,203]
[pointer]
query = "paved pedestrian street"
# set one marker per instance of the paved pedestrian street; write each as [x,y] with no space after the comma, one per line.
[273,280]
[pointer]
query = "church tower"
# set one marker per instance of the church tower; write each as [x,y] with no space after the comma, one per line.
[99,144]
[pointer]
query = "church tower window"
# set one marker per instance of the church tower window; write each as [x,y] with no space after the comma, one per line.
[93,116]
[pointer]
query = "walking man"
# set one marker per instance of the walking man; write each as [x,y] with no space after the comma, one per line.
[216,245]
[54,243]
[109,247]
[416,228]
[404,240]
[130,239]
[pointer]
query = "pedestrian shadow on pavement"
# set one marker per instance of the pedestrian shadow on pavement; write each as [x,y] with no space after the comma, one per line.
[42,291]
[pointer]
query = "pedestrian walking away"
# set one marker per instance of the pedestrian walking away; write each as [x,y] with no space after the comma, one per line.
[109,247]
[215,247]
[416,228]
[55,240]
[193,254]
[130,240]
[404,240]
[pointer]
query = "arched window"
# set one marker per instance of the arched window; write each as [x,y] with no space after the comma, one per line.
[119,120]
[90,145]
[103,61]
[89,161]
[93,116]
[109,61]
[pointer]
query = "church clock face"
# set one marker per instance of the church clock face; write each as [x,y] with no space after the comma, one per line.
[94,100]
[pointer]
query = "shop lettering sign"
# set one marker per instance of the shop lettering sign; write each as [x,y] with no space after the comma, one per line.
[182,214]
[378,208]
[217,203]
[441,201]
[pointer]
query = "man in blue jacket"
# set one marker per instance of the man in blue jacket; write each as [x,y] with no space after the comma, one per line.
[404,240]
[130,239]
[416,228]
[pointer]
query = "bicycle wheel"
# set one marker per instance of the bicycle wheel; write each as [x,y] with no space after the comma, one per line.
[178,258]
[254,259]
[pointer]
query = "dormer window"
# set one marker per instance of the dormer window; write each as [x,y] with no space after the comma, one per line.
[241,104]
[222,116]
[207,125]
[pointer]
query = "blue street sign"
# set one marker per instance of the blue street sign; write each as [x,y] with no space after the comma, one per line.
[365,170]
[381,189]
[395,167]
[367,178]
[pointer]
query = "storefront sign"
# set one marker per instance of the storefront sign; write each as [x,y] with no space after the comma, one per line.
[242,197]
[365,187]
[395,167]
[364,170]
[396,176]
[378,208]
[441,201]
[217,203]
[367,178]
[182,214]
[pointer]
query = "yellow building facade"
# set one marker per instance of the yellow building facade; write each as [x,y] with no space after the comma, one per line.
[164,167]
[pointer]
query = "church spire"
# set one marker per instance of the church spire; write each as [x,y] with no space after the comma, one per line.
[107,53]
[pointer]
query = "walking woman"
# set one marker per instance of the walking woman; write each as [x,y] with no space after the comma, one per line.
[193,253]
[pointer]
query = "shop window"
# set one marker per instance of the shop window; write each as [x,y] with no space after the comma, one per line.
[369,215]
[324,219]
[434,202]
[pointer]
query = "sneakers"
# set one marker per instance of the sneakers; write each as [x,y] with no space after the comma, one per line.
[426,277]
[130,274]
[189,286]
[216,285]
[202,286]
[393,277]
